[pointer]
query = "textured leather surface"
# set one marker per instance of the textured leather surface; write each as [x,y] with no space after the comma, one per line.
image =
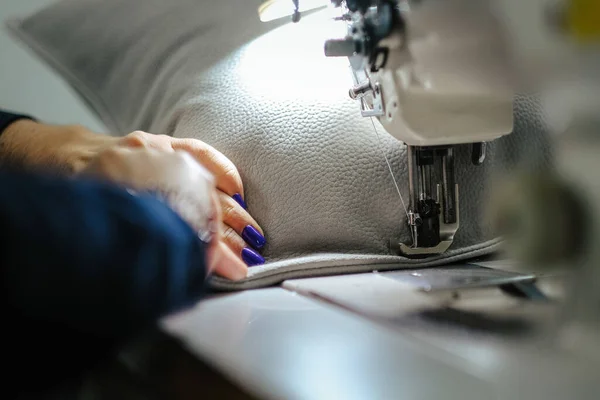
[313,169]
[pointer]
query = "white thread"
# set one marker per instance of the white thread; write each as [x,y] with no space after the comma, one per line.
[387,161]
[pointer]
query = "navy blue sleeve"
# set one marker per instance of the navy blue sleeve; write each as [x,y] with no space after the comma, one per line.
[85,266]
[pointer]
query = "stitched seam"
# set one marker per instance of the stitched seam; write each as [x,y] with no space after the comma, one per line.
[276,277]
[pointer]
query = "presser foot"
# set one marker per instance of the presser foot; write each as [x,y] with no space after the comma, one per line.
[446,232]
[433,210]
[409,251]
[433,213]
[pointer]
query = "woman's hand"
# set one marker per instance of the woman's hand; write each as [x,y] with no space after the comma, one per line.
[241,233]
[71,149]
[185,185]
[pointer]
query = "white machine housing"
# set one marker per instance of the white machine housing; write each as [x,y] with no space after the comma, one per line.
[447,80]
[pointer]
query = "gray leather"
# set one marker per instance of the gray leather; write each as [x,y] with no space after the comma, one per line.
[265,96]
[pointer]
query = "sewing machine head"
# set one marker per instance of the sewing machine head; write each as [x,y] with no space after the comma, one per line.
[434,74]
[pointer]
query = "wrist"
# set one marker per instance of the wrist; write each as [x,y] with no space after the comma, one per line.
[65,149]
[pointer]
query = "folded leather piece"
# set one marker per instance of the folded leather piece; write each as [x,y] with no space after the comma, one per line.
[265,95]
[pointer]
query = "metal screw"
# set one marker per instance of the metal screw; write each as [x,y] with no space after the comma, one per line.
[360,90]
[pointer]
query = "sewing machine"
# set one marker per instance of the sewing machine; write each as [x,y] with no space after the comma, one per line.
[441,73]
[436,74]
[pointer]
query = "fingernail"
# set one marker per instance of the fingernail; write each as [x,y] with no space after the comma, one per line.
[252,258]
[238,197]
[253,237]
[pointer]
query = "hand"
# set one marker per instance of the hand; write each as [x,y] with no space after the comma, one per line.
[184,184]
[70,149]
[241,233]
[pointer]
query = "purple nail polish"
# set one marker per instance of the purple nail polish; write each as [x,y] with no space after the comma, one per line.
[253,237]
[252,258]
[238,197]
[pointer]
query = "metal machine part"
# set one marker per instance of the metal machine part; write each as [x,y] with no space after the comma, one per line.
[417,67]
[433,207]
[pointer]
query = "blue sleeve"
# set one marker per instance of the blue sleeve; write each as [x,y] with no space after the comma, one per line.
[87,265]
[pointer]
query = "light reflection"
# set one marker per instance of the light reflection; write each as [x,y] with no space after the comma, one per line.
[288,63]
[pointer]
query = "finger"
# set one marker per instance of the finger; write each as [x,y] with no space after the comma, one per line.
[236,217]
[226,174]
[241,248]
[217,234]
[232,239]
[226,264]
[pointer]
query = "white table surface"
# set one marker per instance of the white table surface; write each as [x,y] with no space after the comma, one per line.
[280,344]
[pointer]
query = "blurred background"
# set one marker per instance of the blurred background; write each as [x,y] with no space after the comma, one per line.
[29,86]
